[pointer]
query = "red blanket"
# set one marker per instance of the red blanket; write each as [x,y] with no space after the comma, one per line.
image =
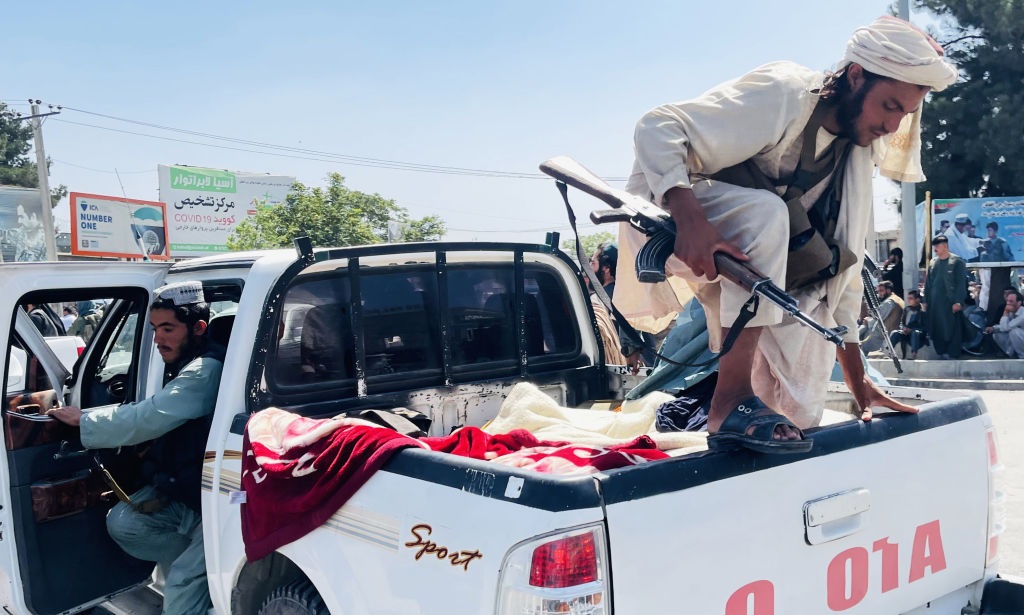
[296,471]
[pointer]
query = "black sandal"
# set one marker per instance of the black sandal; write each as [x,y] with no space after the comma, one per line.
[752,412]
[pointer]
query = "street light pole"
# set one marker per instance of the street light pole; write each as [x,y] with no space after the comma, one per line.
[49,233]
[908,207]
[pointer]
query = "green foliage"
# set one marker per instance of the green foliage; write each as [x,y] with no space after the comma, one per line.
[428,228]
[58,193]
[590,242]
[16,167]
[331,216]
[971,132]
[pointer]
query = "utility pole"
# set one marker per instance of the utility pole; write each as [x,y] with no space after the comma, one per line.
[908,212]
[49,233]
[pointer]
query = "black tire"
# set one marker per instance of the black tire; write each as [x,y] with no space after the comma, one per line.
[295,598]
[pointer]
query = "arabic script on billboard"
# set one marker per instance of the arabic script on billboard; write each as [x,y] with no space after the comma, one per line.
[22,237]
[205,205]
[986,232]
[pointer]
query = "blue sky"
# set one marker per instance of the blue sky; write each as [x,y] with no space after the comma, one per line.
[490,86]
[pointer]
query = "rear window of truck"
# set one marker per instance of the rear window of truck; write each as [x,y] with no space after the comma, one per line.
[394,325]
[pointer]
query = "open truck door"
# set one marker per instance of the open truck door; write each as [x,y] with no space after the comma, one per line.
[58,555]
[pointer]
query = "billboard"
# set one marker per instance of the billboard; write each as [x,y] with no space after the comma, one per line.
[985,232]
[115,226]
[22,237]
[205,205]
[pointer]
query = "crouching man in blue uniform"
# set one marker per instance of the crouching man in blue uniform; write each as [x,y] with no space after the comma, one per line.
[161,522]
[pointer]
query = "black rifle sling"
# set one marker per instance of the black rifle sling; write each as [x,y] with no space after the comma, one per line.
[748,311]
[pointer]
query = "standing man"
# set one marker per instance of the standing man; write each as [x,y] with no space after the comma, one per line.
[945,291]
[68,318]
[48,324]
[87,322]
[774,168]
[161,522]
[892,270]
[1008,333]
[604,262]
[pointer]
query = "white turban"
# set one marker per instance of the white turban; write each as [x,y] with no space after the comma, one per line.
[894,48]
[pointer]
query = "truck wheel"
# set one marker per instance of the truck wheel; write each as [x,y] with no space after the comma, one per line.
[295,598]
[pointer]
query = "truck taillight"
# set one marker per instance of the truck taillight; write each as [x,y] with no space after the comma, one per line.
[563,573]
[997,498]
[565,562]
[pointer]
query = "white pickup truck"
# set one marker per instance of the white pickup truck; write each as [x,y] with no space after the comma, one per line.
[900,515]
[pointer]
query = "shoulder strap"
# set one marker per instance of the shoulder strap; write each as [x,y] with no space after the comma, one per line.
[809,171]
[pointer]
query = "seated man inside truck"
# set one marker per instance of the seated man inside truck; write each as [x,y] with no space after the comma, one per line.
[161,522]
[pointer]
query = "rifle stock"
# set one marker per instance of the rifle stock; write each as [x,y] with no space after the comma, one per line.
[658,226]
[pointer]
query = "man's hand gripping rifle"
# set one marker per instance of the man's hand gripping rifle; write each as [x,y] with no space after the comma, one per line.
[658,226]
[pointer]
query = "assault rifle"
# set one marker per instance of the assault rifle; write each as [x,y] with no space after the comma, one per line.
[870,270]
[658,226]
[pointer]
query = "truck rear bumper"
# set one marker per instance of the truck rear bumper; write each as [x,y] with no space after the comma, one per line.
[1003,596]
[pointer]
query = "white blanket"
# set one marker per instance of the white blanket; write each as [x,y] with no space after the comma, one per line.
[529,408]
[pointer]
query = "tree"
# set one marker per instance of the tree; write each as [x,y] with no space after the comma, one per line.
[971,135]
[428,228]
[16,167]
[331,216]
[590,242]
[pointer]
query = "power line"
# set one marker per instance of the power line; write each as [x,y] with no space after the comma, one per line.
[301,150]
[306,153]
[79,166]
[453,171]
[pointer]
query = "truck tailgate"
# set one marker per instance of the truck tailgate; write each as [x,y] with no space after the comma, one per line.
[880,517]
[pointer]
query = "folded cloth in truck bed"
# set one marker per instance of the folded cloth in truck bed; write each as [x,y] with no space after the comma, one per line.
[529,408]
[297,471]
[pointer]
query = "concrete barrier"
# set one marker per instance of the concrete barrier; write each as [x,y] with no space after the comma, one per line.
[971,374]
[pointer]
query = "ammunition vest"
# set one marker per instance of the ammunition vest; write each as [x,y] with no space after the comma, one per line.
[174,461]
[814,254]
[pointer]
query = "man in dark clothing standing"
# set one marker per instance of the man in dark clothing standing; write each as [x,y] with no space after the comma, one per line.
[945,292]
[44,319]
[892,271]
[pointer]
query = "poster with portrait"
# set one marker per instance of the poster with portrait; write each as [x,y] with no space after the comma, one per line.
[985,232]
[118,227]
[22,235]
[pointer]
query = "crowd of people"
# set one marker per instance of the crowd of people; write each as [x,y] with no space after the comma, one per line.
[948,312]
[81,319]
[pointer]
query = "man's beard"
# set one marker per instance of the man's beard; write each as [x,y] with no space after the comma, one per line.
[850,108]
[190,349]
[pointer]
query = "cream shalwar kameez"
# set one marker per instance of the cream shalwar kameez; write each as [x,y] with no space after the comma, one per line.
[760,116]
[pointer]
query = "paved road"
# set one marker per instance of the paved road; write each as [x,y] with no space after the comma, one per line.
[1007,410]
